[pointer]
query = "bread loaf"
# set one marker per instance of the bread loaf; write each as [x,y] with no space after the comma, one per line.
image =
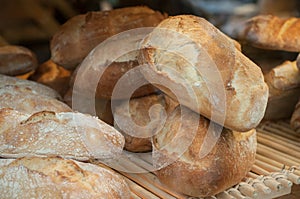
[69,135]
[34,86]
[56,178]
[52,75]
[138,137]
[272,32]
[284,90]
[295,119]
[28,101]
[78,36]
[199,47]
[224,166]
[16,60]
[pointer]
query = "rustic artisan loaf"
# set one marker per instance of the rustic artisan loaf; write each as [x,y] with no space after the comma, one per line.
[52,75]
[187,51]
[78,36]
[284,90]
[34,86]
[295,119]
[272,32]
[224,166]
[56,178]
[16,60]
[28,101]
[69,135]
[138,137]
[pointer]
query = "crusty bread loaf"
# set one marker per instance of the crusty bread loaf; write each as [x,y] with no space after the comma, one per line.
[182,47]
[224,166]
[136,139]
[295,119]
[56,178]
[272,32]
[70,135]
[78,36]
[34,86]
[284,90]
[28,101]
[52,75]
[16,60]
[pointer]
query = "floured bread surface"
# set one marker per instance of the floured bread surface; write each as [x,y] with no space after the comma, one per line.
[70,135]
[34,86]
[196,63]
[227,163]
[29,101]
[54,177]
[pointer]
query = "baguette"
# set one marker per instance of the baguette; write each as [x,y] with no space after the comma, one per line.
[272,32]
[79,35]
[16,60]
[69,135]
[55,178]
[175,63]
[224,166]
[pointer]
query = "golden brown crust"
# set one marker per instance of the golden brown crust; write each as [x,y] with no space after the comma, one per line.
[52,75]
[78,36]
[54,177]
[16,60]
[225,165]
[246,93]
[295,119]
[272,32]
[70,135]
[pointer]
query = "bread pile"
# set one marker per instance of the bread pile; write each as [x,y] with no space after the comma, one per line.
[276,36]
[201,91]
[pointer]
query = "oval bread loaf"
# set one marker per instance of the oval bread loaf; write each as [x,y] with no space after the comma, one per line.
[69,135]
[224,166]
[187,51]
[57,178]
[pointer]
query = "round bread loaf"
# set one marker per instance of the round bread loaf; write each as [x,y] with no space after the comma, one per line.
[187,51]
[224,166]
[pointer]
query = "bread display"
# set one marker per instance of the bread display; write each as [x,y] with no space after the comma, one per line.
[244,110]
[69,135]
[227,163]
[16,60]
[272,32]
[79,35]
[138,137]
[284,90]
[52,75]
[295,119]
[55,178]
